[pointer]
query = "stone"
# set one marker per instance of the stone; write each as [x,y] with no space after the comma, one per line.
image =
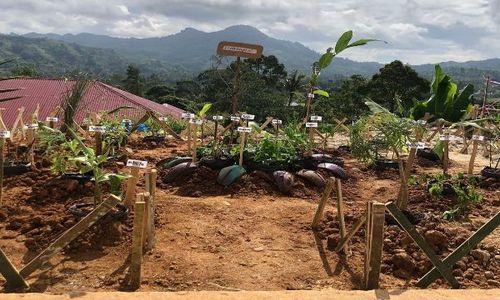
[458,273]
[493,283]
[481,255]
[436,239]
[403,261]
[197,194]
[332,241]
[71,185]
[489,275]
[403,274]
[469,274]
[461,265]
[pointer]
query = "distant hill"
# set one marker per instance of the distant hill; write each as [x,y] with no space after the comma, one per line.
[188,52]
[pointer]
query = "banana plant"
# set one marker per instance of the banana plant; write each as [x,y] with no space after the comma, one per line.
[446,101]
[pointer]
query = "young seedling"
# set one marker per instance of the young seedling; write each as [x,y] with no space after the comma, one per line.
[195,123]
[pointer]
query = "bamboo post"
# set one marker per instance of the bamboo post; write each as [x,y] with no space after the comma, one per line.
[151,188]
[322,202]
[374,244]
[10,273]
[403,191]
[137,238]
[68,236]
[131,183]
[340,212]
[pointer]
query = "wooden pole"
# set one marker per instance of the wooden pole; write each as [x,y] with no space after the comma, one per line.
[475,143]
[195,127]
[98,143]
[311,140]
[137,238]
[340,212]
[403,190]
[355,228]
[374,244]
[146,220]
[322,202]
[151,188]
[189,137]
[131,183]
[215,137]
[446,150]
[68,236]
[10,273]
[242,147]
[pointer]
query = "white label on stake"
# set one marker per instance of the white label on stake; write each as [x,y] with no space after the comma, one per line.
[31,126]
[97,129]
[311,124]
[317,118]
[187,115]
[217,118]
[195,121]
[137,163]
[235,118]
[4,134]
[419,145]
[244,129]
[276,121]
[448,138]
[478,138]
[310,95]
[163,119]
[126,121]
[421,122]
[247,116]
[52,119]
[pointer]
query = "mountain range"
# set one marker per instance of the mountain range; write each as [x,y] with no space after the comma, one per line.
[188,52]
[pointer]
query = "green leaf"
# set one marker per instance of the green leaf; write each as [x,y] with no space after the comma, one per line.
[439,149]
[325,60]
[362,42]
[376,108]
[321,93]
[343,41]
[204,110]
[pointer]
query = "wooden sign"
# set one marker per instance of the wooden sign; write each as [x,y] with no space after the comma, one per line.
[277,122]
[478,138]
[245,129]
[419,145]
[317,118]
[52,119]
[217,118]
[247,117]
[239,49]
[137,163]
[97,129]
[235,118]
[187,115]
[4,134]
[311,124]
[31,126]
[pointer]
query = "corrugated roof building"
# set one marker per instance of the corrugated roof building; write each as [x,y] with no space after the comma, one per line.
[98,97]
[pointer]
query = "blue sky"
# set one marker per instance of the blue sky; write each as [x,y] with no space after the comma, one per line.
[417,31]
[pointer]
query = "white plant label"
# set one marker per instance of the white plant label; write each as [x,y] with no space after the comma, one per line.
[137,163]
[478,138]
[235,118]
[244,129]
[277,122]
[195,121]
[163,119]
[310,95]
[101,129]
[317,118]
[247,117]
[421,122]
[311,125]
[52,119]
[4,134]
[126,121]
[448,138]
[419,145]
[31,126]
[217,118]
[187,115]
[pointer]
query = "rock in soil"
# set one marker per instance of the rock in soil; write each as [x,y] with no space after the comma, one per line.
[481,255]
[404,261]
[436,239]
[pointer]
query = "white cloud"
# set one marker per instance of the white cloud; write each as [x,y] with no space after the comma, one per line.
[418,31]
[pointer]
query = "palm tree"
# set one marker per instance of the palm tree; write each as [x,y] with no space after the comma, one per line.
[293,85]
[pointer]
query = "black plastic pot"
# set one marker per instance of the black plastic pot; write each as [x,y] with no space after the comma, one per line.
[16,169]
[490,172]
[383,164]
[82,178]
[80,210]
[154,138]
[428,153]
[216,163]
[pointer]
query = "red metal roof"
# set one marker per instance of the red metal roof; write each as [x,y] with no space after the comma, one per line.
[98,97]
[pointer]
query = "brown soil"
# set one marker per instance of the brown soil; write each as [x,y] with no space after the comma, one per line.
[246,236]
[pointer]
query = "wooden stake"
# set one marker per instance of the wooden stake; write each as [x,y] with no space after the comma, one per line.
[446,150]
[403,190]
[151,188]
[2,145]
[131,184]
[475,144]
[242,147]
[340,212]
[311,140]
[268,120]
[10,273]
[98,143]
[68,236]
[146,220]
[195,127]
[137,237]
[189,137]
[374,244]
[322,202]
[355,228]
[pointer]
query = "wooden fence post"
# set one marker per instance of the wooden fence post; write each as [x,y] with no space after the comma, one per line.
[375,213]
[322,202]
[475,143]
[131,184]
[403,190]
[137,238]
[340,212]
[10,273]
[446,154]
[151,188]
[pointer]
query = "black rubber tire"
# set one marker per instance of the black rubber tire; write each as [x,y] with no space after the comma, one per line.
[16,169]
[489,172]
[428,154]
[384,164]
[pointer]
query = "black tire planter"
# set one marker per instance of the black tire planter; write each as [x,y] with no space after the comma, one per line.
[344,148]
[16,169]
[428,154]
[384,164]
[311,163]
[490,172]
[81,178]
[154,138]
[216,163]
[271,167]
[80,210]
